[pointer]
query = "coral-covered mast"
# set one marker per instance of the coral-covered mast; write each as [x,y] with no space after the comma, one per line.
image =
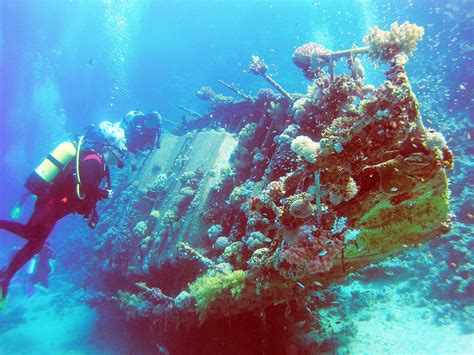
[259,67]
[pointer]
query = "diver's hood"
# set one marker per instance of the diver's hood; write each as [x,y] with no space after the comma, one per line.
[130,116]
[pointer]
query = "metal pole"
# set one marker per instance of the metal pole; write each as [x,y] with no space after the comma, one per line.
[317,183]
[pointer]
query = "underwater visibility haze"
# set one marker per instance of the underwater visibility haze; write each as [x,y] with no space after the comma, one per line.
[236,177]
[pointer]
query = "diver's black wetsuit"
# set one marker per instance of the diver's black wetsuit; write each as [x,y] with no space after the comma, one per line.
[143,132]
[60,200]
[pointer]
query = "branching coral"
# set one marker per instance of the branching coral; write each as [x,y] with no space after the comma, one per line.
[207,289]
[206,93]
[384,45]
[259,67]
[325,101]
[186,251]
[233,254]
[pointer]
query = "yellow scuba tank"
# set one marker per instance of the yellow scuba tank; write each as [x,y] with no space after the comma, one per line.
[55,162]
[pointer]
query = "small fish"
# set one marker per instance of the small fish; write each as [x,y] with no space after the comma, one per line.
[267,240]
[317,283]
[462,87]
[322,253]
[389,273]
[300,284]
[469,136]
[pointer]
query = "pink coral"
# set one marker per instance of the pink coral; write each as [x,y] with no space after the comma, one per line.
[310,57]
[313,252]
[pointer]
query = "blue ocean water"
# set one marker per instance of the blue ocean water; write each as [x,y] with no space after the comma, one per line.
[67,64]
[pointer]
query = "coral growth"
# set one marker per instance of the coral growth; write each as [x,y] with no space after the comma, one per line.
[206,93]
[385,45]
[310,57]
[207,289]
[305,147]
[258,66]
[313,252]
[255,240]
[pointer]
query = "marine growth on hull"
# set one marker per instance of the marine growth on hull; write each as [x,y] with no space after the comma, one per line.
[272,197]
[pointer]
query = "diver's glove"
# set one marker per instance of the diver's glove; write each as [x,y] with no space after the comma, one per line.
[105,194]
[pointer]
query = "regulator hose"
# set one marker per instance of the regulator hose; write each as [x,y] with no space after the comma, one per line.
[80,195]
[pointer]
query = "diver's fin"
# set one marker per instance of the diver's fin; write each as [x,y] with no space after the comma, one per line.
[3,303]
[16,211]
[3,300]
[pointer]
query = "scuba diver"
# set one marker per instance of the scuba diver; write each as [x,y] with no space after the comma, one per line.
[142,131]
[69,180]
[35,274]
[42,266]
